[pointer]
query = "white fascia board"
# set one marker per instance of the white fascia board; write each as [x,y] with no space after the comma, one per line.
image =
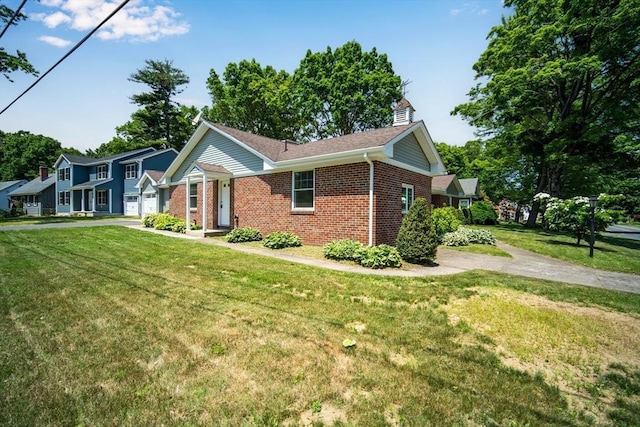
[374,153]
[57,163]
[186,150]
[411,168]
[421,133]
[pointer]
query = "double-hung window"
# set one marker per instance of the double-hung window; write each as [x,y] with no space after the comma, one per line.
[101,197]
[64,198]
[131,171]
[303,190]
[193,196]
[101,172]
[64,174]
[407,197]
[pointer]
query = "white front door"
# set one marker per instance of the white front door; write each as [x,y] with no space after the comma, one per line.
[224,203]
[149,205]
[132,206]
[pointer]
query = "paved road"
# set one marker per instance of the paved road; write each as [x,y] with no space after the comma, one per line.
[522,263]
[624,231]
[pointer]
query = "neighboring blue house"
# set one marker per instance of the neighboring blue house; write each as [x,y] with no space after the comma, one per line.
[7,187]
[38,197]
[89,186]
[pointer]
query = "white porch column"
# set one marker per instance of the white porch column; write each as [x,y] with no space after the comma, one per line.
[93,196]
[204,202]
[81,201]
[187,215]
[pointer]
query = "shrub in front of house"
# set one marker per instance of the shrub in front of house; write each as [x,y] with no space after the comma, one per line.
[343,250]
[464,236]
[149,220]
[244,234]
[417,242]
[483,213]
[381,256]
[446,219]
[281,239]
[165,221]
[466,214]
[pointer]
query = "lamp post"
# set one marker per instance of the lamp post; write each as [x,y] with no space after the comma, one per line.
[593,201]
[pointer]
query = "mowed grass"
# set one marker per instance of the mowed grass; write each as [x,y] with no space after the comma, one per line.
[112,326]
[610,253]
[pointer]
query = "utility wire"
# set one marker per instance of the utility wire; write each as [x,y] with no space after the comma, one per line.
[84,39]
[15,15]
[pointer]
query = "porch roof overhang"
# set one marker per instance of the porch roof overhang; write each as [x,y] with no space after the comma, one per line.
[89,185]
[199,169]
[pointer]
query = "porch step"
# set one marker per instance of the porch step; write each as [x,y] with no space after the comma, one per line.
[217,232]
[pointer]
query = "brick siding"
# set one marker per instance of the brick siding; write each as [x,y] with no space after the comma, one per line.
[341,203]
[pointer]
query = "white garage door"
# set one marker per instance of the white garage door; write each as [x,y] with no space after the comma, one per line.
[131,206]
[149,204]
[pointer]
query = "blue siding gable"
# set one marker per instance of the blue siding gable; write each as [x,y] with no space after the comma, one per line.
[216,149]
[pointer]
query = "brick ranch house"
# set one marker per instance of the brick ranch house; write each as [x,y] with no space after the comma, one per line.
[355,186]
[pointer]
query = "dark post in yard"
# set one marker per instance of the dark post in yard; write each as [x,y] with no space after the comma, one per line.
[593,201]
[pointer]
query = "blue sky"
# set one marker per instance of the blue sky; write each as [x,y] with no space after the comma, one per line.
[432,43]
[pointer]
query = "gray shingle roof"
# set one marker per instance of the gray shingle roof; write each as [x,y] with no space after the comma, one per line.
[275,149]
[82,160]
[35,186]
[442,182]
[6,184]
[469,186]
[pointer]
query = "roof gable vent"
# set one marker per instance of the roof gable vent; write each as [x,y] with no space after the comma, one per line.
[403,113]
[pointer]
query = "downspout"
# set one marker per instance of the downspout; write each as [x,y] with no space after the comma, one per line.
[366,158]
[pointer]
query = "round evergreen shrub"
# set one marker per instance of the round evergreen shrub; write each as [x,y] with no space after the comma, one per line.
[281,239]
[483,213]
[417,242]
[244,234]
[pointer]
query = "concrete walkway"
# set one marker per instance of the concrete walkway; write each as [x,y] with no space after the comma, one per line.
[522,263]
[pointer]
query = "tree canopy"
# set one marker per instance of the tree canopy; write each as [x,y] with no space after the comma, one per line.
[331,93]
[160,121]
[21,154]
[254,99]
[11,63]
[560,86]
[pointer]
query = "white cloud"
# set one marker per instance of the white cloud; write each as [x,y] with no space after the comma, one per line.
[54,41]
[472,8]
[135,22]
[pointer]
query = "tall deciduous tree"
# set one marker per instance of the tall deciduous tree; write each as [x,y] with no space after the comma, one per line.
[160,117]
[10,63]
[345,91]
[560,84]
[22,153]
[254,99]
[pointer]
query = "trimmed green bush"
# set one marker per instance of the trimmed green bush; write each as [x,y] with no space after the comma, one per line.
[244,234]
[281,239]
[417,242]
[380,256]
[149,220]
[468,217]
[343,250]
[446,220]
[483,213]
[463,236]
[455,238]
[165,221]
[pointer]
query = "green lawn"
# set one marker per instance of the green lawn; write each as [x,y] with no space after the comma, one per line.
[113,326]
[30,220]
[610,253]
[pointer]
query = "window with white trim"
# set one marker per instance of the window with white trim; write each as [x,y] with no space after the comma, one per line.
[101,172]
[131,171]
[64,198]
[101,197]
[64,174]
[193,196]
[407,197]
[463,203]
[303,190]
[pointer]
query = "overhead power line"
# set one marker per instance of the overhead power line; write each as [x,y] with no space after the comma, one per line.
[15,15]
[84,39]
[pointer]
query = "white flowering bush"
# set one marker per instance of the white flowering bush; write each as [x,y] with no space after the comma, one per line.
[572,215]
[455,238]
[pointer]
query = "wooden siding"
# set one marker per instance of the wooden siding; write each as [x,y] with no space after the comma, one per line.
[215,149]
[408,151]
